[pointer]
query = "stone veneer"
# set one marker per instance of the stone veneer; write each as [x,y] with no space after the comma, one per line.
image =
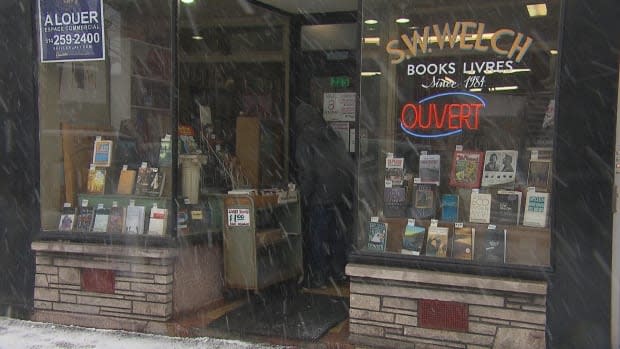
[146,280]
[502,313]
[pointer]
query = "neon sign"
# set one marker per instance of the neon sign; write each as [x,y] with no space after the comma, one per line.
[430,119]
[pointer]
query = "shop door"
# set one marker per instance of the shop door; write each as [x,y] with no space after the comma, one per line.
[615,285]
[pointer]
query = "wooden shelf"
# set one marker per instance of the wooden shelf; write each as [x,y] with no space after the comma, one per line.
[150,108]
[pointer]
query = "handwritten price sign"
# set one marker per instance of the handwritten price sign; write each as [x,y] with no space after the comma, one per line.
[238,217]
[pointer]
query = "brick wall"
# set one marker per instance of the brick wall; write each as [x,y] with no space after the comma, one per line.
[385,309]
[140,297]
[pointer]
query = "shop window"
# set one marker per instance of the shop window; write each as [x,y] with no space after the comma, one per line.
[456,131]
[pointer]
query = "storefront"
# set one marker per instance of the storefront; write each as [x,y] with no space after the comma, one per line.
[483,135]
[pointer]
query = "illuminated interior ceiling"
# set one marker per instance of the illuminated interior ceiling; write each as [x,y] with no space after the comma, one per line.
[312,6]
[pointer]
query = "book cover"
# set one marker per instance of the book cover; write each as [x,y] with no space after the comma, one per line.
[158,221]
[413,239]
[126,182]
[394,202]
[506,207]
[536,207]
[423,201]
[134,220]
[95,183]
[84,219]
[116,220]
[142,180]
[491,246]
[463,243]
[156,181]
[165,152]
[466,171]
[430,168]
[480,208]
[377,236]
[67,219]
[499,168]
[539,175]
[437,242]
[200,219]
[395,170]
[102,216]
[450,207]
[183,220]
[102,153]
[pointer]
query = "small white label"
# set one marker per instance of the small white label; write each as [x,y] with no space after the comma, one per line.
[186,201]
[132,202]
[67,204]
[531,189]
[99,206]
[124,167]
[534,155]
[459,147]
[374,219]
[475,191]
[424,152]
[98,138]
[84,202]
[458,225]
[417,180]
[167,137]
[92,166]
[388,183]
[155,169]
[154,205]
[491,227]
[434,222]
[218,147]
[114,203]
[411,221]
[144,165]
[389,155]
[213,136]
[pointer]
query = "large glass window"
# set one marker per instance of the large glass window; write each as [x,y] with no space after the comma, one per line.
[456,130]
[106,124]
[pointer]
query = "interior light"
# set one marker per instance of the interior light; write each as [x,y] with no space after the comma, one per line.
[197,37]
[553,52]
[504,88]
[475,90]
[537,10]
[370,73]
[372,40]
[402,20]
[187,1]
[371,21]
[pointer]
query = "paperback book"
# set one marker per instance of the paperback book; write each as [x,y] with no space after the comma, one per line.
[437,242]
[102,153]
[499,168]
[377,236]
[539,175]
[134,220]
[84,219]
[423,201]
[394,202]
[102,217]
[536,207]
[491,245]
[165,152]
[158,221]
[413,239]
[126,182]
[95,183]
[142,180]
[430,168]
[67,218]
[116,220]
[463,243]
[395,170]
[506,207]
[156,181]
[466,169]
[480,208]
[450,207]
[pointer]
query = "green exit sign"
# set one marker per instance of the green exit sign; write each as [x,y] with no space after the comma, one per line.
[339,81]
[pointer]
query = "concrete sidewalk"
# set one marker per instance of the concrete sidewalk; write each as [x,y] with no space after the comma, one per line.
[20,334]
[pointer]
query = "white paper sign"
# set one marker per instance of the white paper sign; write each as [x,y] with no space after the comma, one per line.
[339,106]
[238,217]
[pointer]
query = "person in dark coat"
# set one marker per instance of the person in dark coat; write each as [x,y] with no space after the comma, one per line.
[325,177]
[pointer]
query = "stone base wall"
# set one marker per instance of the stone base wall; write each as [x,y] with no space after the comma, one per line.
[116,287]
[386,310]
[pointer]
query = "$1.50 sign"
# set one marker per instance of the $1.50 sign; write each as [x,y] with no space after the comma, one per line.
[238,217]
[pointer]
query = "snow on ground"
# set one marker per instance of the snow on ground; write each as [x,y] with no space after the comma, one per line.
[20,334]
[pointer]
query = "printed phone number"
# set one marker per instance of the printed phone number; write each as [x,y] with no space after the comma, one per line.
[68,39]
